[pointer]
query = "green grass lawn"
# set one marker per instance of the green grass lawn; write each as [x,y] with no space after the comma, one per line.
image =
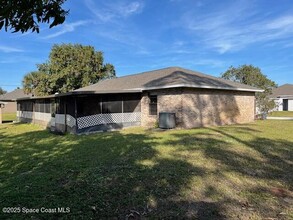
[281,114]
[8,116]
[229,172]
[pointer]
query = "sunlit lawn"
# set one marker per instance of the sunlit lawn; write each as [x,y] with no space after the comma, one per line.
[281,114]
[9,116]
[230,172]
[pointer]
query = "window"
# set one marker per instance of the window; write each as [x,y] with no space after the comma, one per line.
[153,105]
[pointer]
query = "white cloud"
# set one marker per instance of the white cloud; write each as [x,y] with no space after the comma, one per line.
[132,8]
[281,23]
[7,49]
[65,28]
[114,10]
[236,27]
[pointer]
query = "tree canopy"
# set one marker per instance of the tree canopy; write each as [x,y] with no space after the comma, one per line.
[250,75]
[70,66]
[2,91]
[20,15]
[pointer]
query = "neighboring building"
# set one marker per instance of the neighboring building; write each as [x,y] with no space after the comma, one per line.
[196,99]
[283,97]
[10,100]
[2,105]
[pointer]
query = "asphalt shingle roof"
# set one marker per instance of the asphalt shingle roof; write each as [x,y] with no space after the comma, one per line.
[15,94]
[284,90]
[164,78]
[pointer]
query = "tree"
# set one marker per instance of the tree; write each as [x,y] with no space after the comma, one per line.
[24,15]
[2,91]
[250,75]
[36,82]
[69,67]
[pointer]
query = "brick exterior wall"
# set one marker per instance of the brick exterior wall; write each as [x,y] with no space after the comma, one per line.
[169,100]
[201,107]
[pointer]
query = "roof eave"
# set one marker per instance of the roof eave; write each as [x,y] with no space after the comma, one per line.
[202,87]
[8,100]
[81,93]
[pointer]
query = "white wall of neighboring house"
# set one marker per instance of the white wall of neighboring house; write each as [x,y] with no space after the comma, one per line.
[279,103]
[290,105]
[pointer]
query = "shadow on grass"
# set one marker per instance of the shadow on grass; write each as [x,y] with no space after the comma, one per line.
[125,176]
[268,160]
[109,175]
[277,158]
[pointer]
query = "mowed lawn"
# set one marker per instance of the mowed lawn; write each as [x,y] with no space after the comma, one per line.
[8,117]
[229,172]
[281,114]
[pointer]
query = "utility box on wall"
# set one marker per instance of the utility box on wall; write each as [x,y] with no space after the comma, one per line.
[167,120]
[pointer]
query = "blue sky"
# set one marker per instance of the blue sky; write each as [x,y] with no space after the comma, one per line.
[141,35]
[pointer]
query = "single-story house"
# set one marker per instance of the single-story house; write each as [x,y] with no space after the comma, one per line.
[283,97]
[10,100]
[2,105]
[196,99]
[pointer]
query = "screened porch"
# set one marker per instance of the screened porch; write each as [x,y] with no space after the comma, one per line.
[107,111]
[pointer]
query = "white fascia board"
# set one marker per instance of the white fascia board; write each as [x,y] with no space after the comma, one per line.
[285,96]
[200,87]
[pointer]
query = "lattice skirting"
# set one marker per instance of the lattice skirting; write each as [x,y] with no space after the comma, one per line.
[70,121]
[46,117]
[60,119]
[112,118]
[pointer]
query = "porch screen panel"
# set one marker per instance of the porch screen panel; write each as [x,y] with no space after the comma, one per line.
[88,105]
[47,106]
[112,104]
[70,106]
[59,106]
[131,103]
[69,117]
[37,106]
[42,106]
[26,106]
